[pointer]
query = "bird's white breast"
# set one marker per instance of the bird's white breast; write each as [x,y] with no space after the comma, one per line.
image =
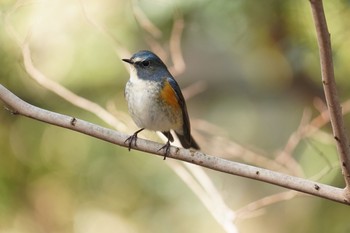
[147,109]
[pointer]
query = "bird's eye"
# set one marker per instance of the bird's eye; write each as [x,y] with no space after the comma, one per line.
[145,63]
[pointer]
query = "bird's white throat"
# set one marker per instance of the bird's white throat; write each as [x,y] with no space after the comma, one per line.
[133,74]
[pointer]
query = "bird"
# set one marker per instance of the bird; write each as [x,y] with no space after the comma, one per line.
[155,101]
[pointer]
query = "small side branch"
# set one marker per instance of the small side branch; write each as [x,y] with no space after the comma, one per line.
[195,157]
[330,90]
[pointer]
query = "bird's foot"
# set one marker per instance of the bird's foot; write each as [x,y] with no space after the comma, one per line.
[166,149]
[132,138]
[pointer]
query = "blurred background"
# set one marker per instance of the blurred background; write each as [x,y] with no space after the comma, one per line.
[251,76]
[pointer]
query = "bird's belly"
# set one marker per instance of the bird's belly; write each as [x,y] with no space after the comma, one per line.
[148,110]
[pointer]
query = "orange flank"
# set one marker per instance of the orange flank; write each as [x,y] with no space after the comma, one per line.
[169,96]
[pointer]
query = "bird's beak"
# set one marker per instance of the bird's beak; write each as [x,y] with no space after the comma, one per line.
[128,61]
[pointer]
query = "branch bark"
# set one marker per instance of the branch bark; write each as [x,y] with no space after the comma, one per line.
[330,90]
[20,107]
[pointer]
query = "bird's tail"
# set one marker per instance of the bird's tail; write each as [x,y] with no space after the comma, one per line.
[187,143]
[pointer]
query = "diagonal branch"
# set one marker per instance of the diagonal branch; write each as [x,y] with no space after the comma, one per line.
[66,94]
[18,106]
[330,90]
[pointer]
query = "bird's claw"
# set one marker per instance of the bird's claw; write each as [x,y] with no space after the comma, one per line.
[129,140]
[166,147]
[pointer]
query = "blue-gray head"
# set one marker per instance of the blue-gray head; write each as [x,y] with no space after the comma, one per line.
[147,65]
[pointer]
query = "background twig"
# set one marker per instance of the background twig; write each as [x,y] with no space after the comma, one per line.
[330,90]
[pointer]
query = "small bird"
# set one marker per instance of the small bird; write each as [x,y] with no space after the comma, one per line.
[155,101]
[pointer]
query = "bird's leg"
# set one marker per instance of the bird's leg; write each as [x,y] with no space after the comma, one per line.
[166,147]
[133,138]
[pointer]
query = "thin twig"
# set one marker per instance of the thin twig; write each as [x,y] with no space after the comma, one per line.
[330,90]
[235,150]
[285,157]
[145,22]
[322,119]
[65,93]
[210,198]
[196,157]
[179,65]
[118,48]
[248,210]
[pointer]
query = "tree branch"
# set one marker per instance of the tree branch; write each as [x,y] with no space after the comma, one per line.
[330,90]
[18,106]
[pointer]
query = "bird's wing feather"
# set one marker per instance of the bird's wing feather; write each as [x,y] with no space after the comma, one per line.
[182,103]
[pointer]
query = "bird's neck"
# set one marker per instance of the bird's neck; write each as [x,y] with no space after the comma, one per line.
[133,75]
